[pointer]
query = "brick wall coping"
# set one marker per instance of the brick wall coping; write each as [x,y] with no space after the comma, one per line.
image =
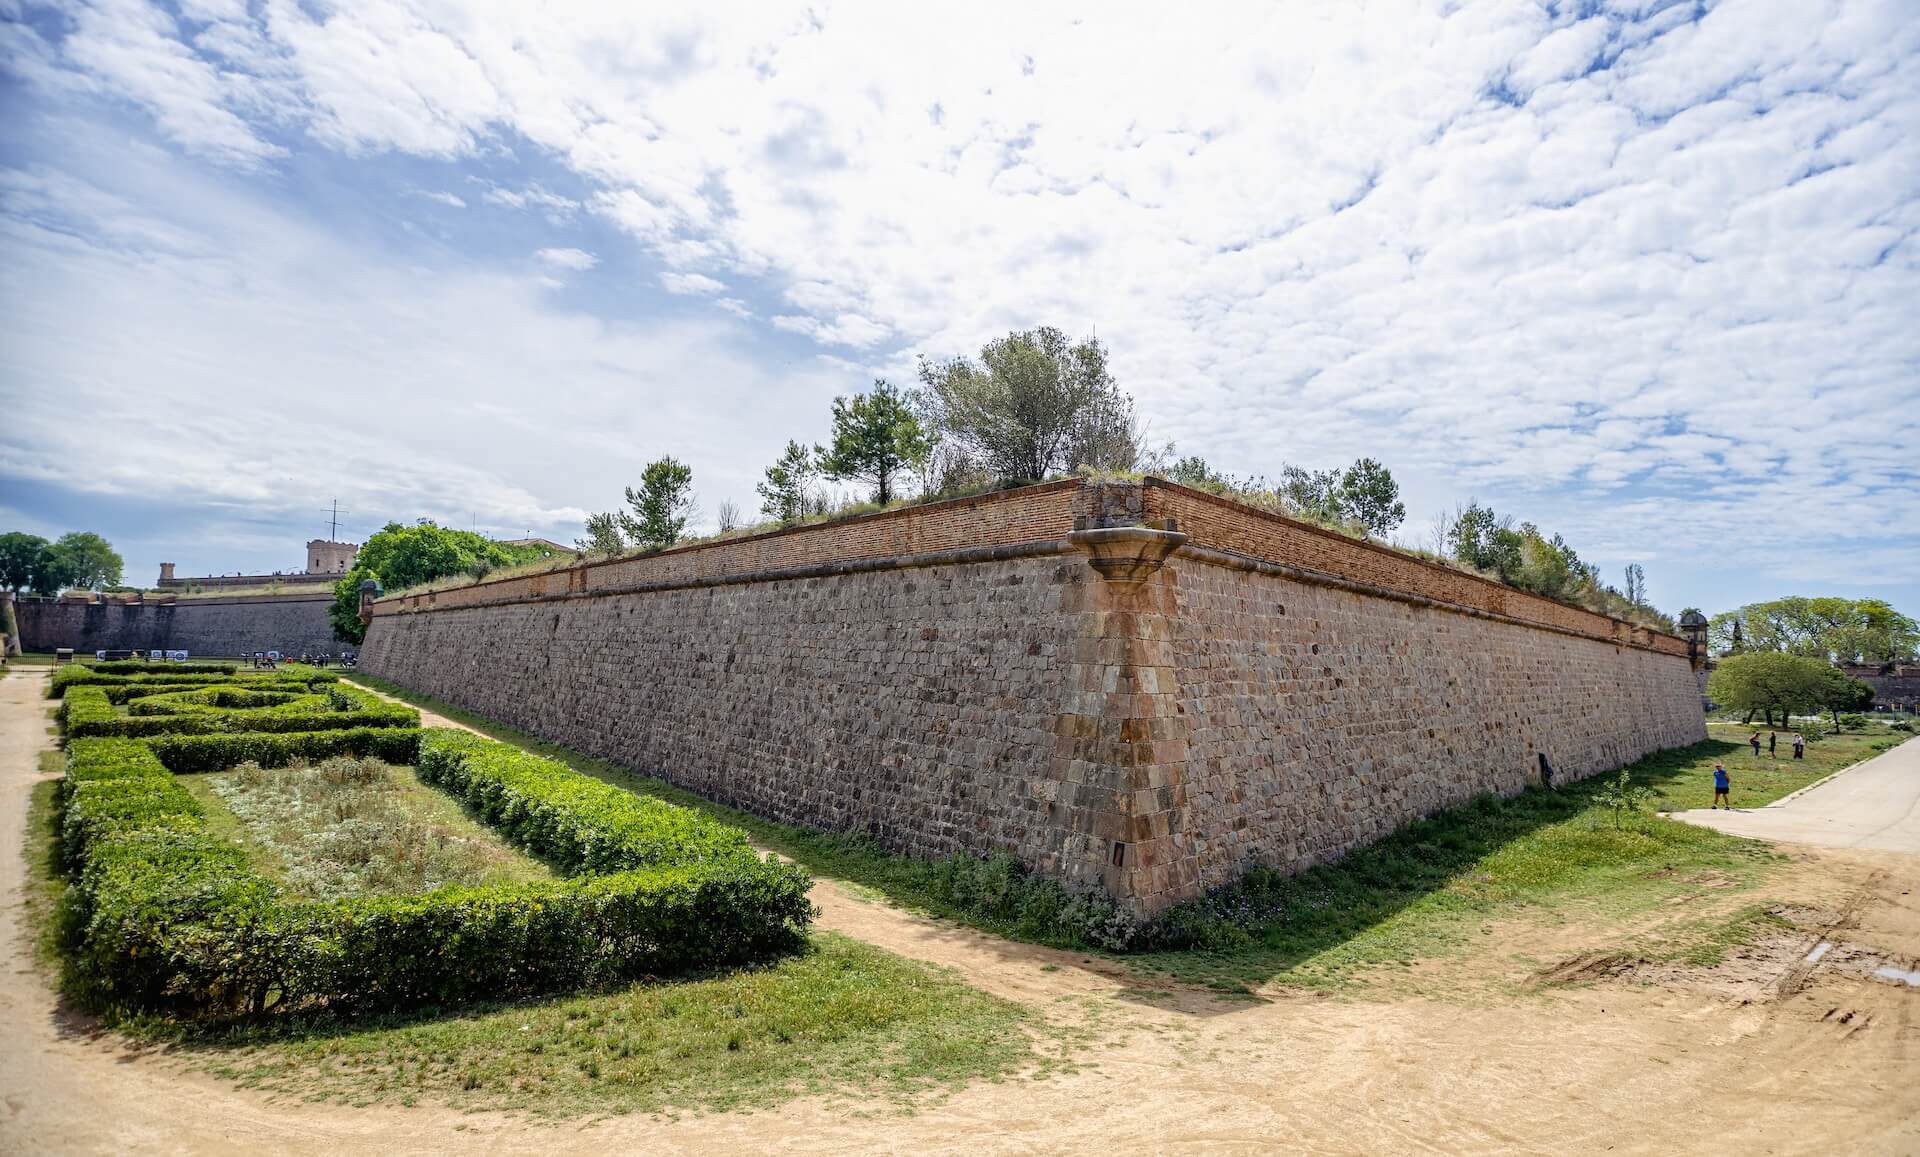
[1640,637]
[918,510]
[423,603]
[1502,589]
[1500,598]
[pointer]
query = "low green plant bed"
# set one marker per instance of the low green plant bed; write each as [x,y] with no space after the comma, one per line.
[89,711]
[166,914]
[135,667]
[347,826]
[83,675]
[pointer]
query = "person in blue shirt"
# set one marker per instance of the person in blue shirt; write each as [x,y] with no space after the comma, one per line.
[1721,785]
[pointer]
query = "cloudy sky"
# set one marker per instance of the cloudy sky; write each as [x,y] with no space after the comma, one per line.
[1644,273]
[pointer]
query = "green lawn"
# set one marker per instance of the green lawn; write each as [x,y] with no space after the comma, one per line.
[1757,782]
[841,1017]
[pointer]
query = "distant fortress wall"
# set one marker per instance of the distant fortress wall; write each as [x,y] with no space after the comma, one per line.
[212,626]
[326,560]
[1137,687]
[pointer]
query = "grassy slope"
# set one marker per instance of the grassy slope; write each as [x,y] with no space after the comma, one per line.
[1433,889]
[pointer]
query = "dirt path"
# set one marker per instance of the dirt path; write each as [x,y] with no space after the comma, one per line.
[1625,1069]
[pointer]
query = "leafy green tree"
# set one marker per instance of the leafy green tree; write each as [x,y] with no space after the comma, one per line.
[876,438]
[406,556]
[344,614]
[1839,629]
[661,506]
[87,560]
[1842,692]
[603,535]
[1369,496]
[789,482]
[1472,537]
[1768,682]
[20,559]
[1035,404]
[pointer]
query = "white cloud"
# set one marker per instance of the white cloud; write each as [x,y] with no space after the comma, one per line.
[451,199]
[133,49]
[557,208]
[1659,290]
[233,296]
[690,284]
[575,259]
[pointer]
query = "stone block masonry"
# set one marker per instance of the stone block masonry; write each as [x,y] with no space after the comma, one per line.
[218,626]
[1139,709]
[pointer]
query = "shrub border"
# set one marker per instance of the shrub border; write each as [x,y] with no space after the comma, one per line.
[165,916]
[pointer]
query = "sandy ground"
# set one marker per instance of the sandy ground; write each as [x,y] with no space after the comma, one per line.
[1873,804]
[1774,1056]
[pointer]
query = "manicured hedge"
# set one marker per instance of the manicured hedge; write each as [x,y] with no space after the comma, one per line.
[163,916]
[571,820]
[135,667]
[185,754]
[223,696]
[131,692]
[86,712]
[79,674]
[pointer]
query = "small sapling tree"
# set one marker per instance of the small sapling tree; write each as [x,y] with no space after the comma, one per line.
[1623,798]
[784,493]
[876,438]
[662,504]
[603,535]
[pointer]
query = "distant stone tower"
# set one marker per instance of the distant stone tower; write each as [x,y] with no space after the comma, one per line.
[324,557]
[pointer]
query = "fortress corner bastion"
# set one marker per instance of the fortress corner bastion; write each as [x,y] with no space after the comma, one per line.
[1135,687]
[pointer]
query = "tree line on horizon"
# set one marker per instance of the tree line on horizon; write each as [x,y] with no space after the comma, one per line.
[78,560]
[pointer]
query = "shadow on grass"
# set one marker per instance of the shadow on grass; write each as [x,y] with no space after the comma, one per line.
[1408,895]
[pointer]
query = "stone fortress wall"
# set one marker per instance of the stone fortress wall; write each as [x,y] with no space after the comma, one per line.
[213,626]
[1060,673]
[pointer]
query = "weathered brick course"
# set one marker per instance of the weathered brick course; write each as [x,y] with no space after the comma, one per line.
[1149,737]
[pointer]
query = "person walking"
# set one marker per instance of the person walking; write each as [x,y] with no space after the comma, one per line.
[1773,741]
[1722,785]
[1754,739]
[1799,746]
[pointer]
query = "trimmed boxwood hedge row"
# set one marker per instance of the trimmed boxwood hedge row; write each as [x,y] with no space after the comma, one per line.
[164,916]
[186,754]
[570,820]
[86,712]
[79,675]
[221,696]
[132,692]
[135,667]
